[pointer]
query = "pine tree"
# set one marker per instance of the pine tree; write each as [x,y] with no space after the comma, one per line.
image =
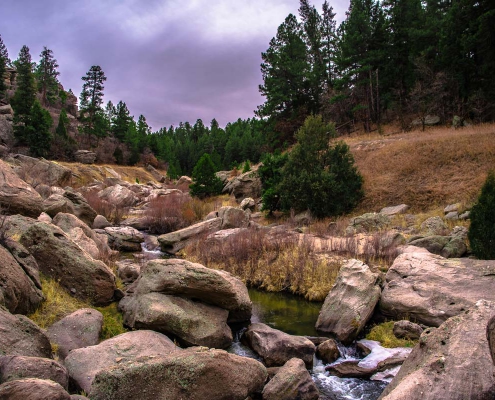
[38,136]
[24,96]
[4,63]
[92,116]
[206,183]
[121,120]
[63,123]
[46,75]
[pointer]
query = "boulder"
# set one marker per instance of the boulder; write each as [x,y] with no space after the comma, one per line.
[124,238]
[405,329]
[450,362]
[83,364]
[428,120]
[173,242]
[16,196]
[434,226]
[19,336]
[36,171]
[83,236]
[248,204]
[245,185]
[80,329]
[233,217]
[192,323]
[6,110]
[291,382]
[184,180]
[350,303]
[490,335]
[128,271]
[20,367]
[429,289]
[457,207]
[63,260]
[57,203]
[223,176]
[82,209]
[328,351]
[85,156]
[445,246]
[277,347]
[368,222]
[394,210]
[100,222]
[44,217]
[193,374]
[33,389]
[6,132]
[18,292]
[118,195]
[155,174]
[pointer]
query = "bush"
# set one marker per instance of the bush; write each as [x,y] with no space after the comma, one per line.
[206,183]
[481,233]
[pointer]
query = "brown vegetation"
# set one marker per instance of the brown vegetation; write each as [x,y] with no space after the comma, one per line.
[424,169]
[112,212]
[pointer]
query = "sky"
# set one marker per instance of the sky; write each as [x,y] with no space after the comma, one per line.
[170,60]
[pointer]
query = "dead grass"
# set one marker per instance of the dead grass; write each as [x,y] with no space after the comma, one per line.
[274,263]
[424,169]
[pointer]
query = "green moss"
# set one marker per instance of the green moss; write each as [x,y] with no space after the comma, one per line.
[112,321]
[384,334]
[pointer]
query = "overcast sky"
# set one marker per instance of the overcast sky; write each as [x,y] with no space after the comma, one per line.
[169,60]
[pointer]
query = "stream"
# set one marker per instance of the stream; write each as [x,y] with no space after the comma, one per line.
[296,316]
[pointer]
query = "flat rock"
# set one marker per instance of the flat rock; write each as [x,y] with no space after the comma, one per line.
[450,362]
[193,374]
[394,210]
[350,303]
[429,289]
[277,347]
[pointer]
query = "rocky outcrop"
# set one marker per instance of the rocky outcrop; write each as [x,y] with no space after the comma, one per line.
[36,171]
[20,367]
[193,374]
[192,323]
[16,196]
[291,382]
[244,185]
[450,362]
[173,242]
[19,293]
[19,336]
[80,329]
[85,363]
[33,389]
[277,347]
[350,302]
[429,289]
[186,279]
[445,246]
[124,238]
[63,260]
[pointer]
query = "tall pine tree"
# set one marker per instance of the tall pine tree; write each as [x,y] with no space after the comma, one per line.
[46,75]
[4,63]
[92,116]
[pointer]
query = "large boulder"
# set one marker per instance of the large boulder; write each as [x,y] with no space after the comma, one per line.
[429,289]
[118,195]
[18,291]
[63,260]
[33,389]
[368,222]
[405,329]
[83,235]
[83,364]
[244,185]
[19,336]
[57,203]
[80,329]
[192,323]
[16,196]
[82,209]
[277,347]
[124,238]
[434,226]
[36,171]
[193,374]
[85,156]
[350,303]
[450,362]
[291,382]
[328,351]
[445,246]
[186,279]
[20,367]
[173,242]
[233,217]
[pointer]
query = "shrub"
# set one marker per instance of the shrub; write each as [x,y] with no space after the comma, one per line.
[206,183]
[481,233]
[112,212]
[270,173]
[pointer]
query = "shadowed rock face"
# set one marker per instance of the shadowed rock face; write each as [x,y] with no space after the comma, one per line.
[451,362]
[430,289]
[350,302]
[193,374]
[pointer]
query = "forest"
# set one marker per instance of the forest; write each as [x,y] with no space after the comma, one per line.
[388,61]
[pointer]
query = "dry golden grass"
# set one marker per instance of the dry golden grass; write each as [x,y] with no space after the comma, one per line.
[425,170]
[384,334]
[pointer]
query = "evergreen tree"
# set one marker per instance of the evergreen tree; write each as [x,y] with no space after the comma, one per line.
[4,54]
[46,75]
[481,233]
[121,121]
[38,136]
[4,63]
[206,183]
[24,96]
[92,116]
[63,123]
[318,177]
[270,173]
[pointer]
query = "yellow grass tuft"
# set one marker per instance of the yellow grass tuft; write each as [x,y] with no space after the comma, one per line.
[384,334]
